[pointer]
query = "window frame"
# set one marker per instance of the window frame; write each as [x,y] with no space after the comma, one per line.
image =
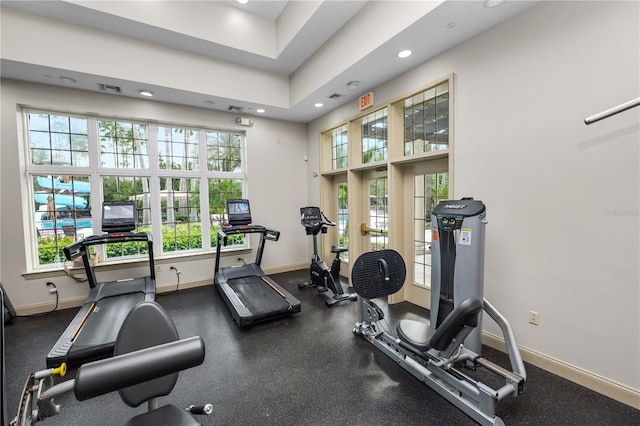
[96,174]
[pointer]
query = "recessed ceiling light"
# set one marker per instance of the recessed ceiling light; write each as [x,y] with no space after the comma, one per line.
[493,3]
[68,79]
[260,111]
[319,105]
[147,93]
[404,54]
[353,85]
[243,1]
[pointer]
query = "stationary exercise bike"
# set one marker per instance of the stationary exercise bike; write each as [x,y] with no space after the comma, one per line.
[314,222]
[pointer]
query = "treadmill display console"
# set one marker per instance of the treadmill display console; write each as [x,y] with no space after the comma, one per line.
[118,216]
[239,212]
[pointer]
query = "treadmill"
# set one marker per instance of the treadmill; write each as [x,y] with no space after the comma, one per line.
[92,333]
[248,292]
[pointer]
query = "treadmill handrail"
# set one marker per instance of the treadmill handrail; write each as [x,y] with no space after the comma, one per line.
[75,250]
[265,234]
[269,234]
[79,248]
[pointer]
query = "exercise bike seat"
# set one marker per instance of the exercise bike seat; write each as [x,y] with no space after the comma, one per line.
[453,330]
[337,249]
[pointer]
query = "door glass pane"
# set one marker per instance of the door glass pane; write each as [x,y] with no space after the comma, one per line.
[343,218]
[378,212]
[428,191]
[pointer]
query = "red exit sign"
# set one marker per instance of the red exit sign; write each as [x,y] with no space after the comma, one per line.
[366,100]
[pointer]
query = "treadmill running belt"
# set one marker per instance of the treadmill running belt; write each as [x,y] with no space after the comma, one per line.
[258,296]
[98,334]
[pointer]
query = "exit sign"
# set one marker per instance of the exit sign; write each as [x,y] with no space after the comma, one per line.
[366,101]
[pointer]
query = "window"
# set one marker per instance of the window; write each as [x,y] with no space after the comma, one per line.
[58,140]
[123,145]
[177,148]
[428,191]
[76,162]
[339,145]
[223,151]
[180,209]
[129,188]
[374,136]
[61,206]
[426,120]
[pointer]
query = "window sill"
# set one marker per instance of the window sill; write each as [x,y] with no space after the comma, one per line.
[133,263]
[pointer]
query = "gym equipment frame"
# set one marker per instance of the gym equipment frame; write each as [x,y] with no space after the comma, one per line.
[437,353]
[321,277]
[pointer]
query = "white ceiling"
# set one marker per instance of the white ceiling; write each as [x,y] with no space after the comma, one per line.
[315,47]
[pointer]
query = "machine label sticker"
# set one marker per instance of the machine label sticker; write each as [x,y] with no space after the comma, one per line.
[434,234]
[465,237]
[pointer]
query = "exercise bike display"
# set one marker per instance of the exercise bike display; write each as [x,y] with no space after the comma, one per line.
[323,278]
[438,352]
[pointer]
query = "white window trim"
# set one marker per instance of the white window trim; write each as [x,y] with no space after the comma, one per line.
[153,172]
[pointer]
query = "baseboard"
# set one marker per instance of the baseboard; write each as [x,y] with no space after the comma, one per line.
[46,307]
[287,268]
[592,381]
[79,301]
[184,286]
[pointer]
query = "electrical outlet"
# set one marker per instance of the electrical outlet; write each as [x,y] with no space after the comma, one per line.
[534,317]
[157,268]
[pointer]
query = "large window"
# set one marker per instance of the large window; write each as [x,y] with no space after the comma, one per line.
[76,162]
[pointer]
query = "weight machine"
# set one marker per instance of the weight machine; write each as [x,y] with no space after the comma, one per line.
[439,352]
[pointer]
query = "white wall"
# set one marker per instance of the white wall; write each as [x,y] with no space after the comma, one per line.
[275,177]
[562,197]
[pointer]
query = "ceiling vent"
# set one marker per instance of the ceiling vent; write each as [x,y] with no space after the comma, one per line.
[335,96]
[234,108]
[109,88]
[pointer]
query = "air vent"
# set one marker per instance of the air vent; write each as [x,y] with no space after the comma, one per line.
[335,96]
[109,88]
[234,108]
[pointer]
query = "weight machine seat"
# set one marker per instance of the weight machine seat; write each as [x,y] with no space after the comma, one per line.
[456,326]
[147,325]
[336,249]
[147,359]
